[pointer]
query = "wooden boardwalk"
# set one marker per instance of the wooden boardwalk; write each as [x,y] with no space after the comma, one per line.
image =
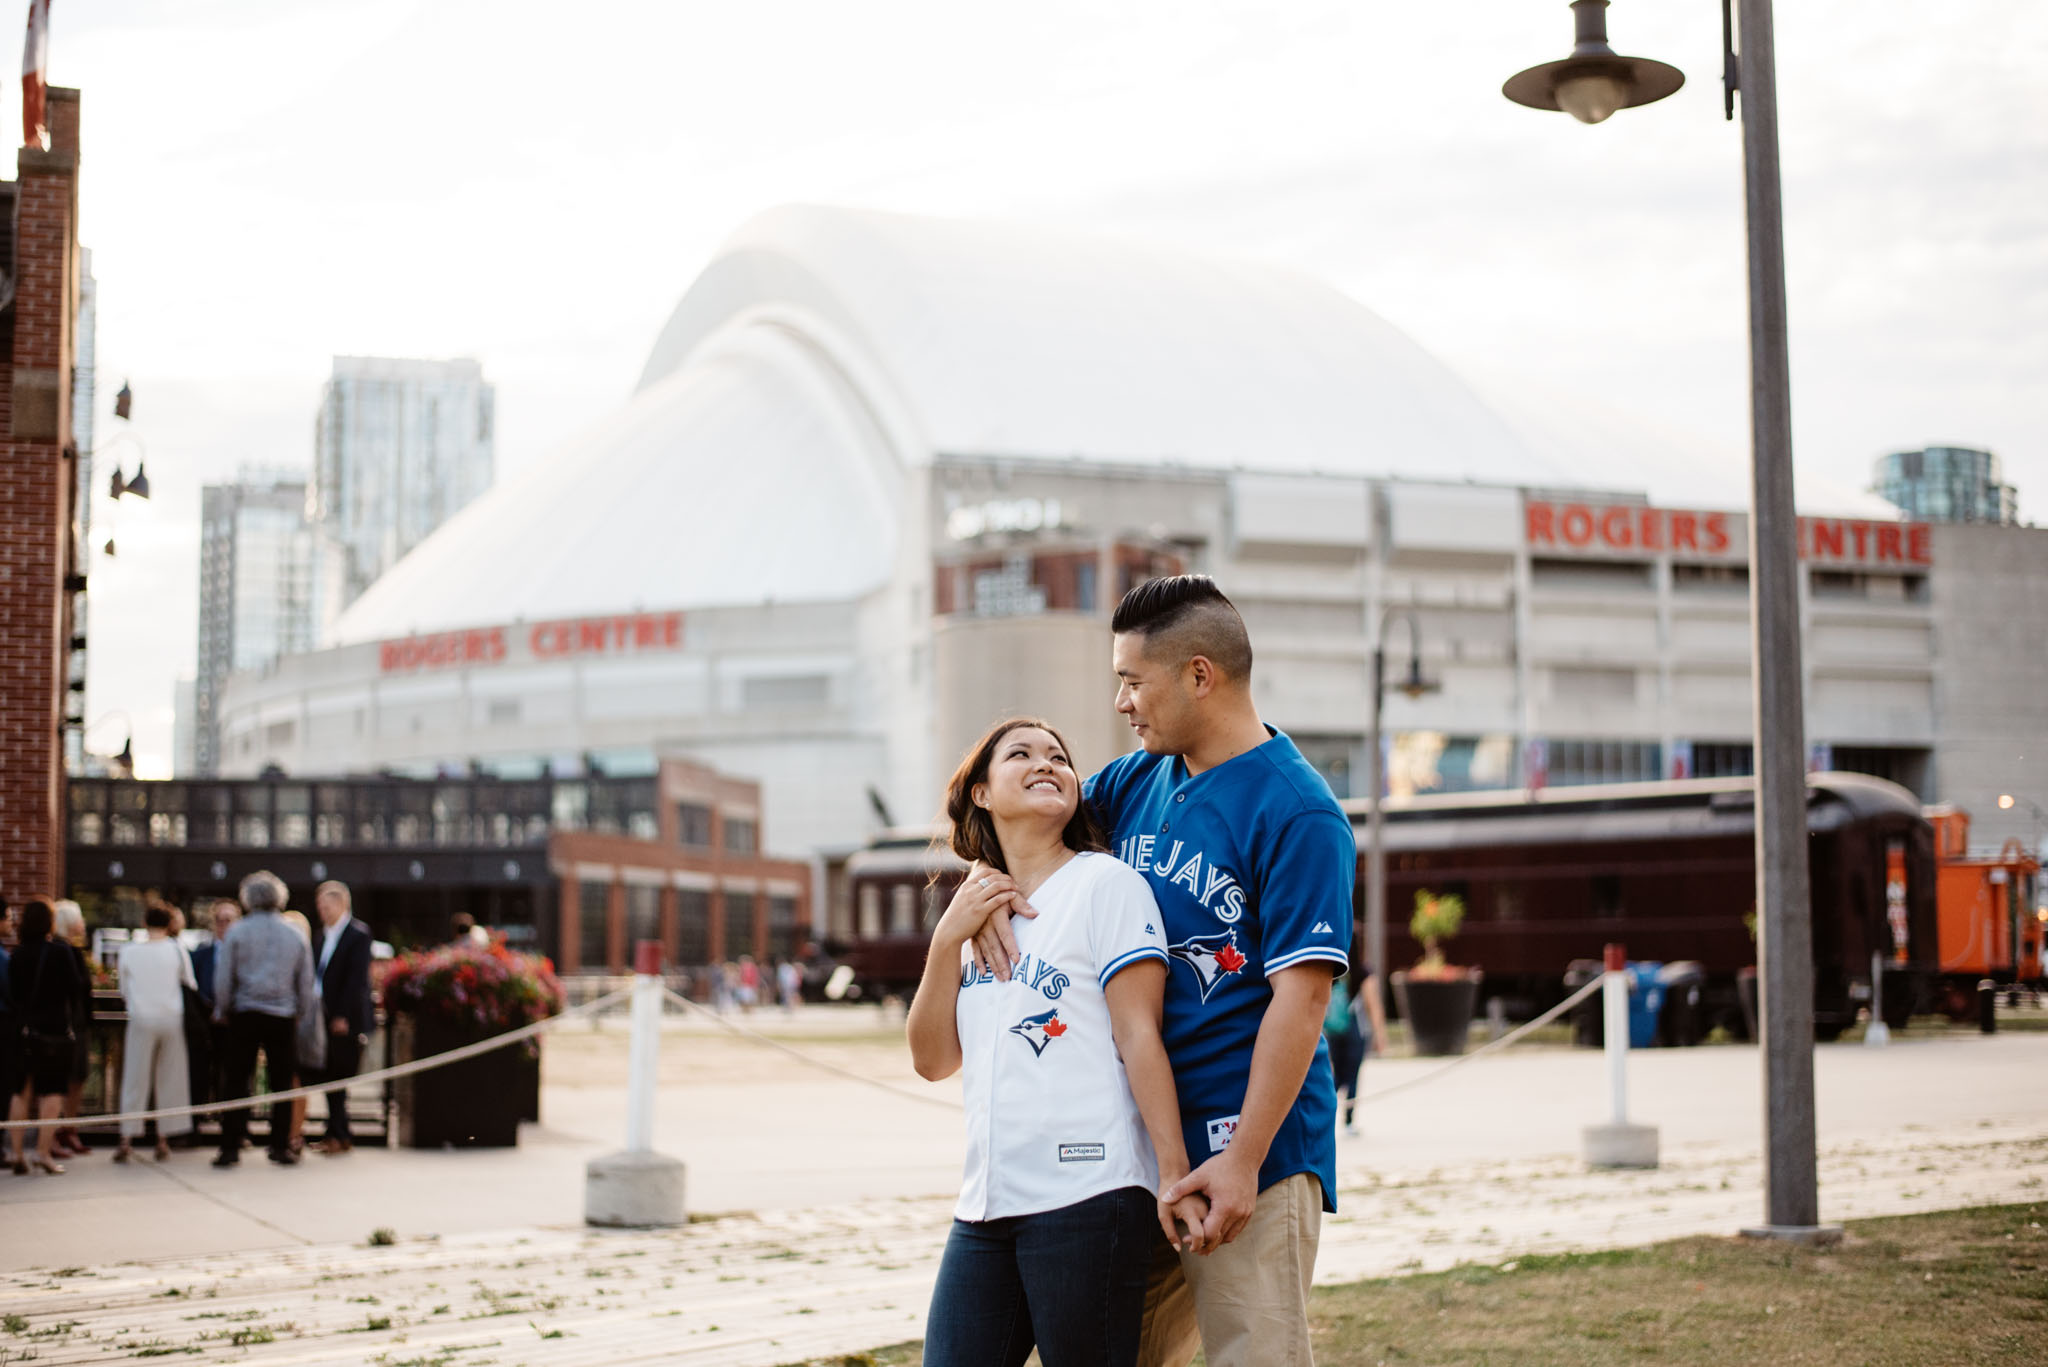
[758,1290]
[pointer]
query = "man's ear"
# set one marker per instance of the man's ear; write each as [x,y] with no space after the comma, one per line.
[1202,676]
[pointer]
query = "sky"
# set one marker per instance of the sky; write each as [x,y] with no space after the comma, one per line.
[268,183]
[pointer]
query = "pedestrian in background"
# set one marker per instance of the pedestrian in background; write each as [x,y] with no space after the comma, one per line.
[71,934]
[343,972]
[310,1039]
[210,1052]
[153,976]
[1355,1025]
[263,982]
[789,980]
[40,982]
[10,1029]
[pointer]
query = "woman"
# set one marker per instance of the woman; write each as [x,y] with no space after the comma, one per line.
[70,933]
[1072,1120]
[1354,1025]
[154,975]
[42,979]
[312,1039]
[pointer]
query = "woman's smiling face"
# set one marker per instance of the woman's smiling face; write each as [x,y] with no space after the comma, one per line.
[1030,778]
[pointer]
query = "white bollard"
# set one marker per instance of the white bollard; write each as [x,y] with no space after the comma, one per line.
[638,1188]
[1618,1144]
[1877,1033]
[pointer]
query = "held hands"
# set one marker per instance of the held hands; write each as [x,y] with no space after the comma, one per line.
[1232,1186]
[983,894]
[995,945]
[1182,1221]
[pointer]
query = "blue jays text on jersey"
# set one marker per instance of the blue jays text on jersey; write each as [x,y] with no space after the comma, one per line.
[1214,888]
[1030,970]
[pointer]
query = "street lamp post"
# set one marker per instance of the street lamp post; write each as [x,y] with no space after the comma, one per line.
[1591,84]
[1414,686]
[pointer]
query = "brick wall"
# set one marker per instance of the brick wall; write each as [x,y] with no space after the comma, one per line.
[36,496]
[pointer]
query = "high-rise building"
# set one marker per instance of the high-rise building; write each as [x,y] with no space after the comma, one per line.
[1946,484]
[259,594]
[400,447]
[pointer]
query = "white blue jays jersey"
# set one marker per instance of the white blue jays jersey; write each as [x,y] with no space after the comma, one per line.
[1252,864]
[1050,1115]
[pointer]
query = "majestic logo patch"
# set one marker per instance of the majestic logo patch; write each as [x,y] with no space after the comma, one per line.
[1212,957]
[1083,1153]
[1221,1131]
[1040,1030]
[1323,928]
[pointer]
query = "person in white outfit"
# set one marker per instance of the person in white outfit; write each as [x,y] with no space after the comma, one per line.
[1072,1119]
[154,975]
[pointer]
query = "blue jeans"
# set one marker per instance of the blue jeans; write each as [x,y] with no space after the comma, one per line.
[1069,1281]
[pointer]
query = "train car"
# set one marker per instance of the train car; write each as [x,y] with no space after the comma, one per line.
[1668,869]
[1990,927]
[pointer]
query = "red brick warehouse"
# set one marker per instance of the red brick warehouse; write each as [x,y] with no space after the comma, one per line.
[41,566]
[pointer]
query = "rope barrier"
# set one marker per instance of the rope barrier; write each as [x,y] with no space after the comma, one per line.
[1503,1042]
[418,1065]
[802,1057]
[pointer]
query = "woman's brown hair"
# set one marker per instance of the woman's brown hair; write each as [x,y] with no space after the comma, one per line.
[971,830]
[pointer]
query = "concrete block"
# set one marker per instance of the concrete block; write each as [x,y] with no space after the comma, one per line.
[633,1191]
[1620,1146]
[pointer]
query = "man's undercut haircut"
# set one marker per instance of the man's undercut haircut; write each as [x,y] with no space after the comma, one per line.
[1185,615]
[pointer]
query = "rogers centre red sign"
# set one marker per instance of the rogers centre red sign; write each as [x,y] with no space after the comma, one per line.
[1610,528]
[630,634]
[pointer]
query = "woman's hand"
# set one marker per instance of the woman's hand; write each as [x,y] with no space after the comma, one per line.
[1188,1214]
[983,891]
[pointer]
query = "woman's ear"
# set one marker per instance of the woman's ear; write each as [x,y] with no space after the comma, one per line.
[979,795]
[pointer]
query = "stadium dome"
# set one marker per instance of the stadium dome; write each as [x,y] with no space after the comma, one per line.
[825,353]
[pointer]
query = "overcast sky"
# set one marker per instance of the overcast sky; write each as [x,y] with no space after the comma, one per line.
[267,183]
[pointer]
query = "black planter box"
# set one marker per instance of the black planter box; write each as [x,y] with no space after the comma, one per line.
[1438,1010]
[475,1103]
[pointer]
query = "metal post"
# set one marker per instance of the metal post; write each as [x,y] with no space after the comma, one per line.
[1877,1032]
[1785,941]
[1614,998]
[638,1187]
[644,1052]
[1375,849]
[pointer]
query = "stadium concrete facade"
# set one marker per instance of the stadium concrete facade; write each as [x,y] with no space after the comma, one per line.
[884,478]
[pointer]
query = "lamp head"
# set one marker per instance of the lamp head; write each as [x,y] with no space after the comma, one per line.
[139,486]
[1415,685]
[123,401]
[117,486]
[1594,81]
[2005,802]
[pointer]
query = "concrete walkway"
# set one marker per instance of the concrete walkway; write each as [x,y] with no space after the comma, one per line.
[835,1196]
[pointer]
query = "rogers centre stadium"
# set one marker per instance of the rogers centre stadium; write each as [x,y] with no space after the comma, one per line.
[884,478]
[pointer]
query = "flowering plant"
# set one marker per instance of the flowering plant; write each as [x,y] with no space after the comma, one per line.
[1436,919]
[488,987]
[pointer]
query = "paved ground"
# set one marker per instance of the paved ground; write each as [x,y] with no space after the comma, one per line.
[832,1199]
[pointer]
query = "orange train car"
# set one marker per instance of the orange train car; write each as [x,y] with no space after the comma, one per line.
[1990,925]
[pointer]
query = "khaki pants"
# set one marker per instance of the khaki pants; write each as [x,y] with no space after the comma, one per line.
[1245,1305]
[153,1059]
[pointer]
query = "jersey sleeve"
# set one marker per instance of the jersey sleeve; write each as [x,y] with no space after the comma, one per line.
[1305,899]
[1124,923]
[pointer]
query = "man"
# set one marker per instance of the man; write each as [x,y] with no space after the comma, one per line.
[263,981]
[344,974]
[1252,863]
[10,1029]
[209,1056]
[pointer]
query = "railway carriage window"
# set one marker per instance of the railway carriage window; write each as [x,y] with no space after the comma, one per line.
[87,823]
[1604,761]
[902,910]
[1606,900]
[869,912]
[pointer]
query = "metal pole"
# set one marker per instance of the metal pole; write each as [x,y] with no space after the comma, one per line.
[1614,999]
[1785,942]
[1375,850]
[644,1051]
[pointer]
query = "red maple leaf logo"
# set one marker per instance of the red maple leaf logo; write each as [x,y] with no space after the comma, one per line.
[1228,959]
[1054,1029]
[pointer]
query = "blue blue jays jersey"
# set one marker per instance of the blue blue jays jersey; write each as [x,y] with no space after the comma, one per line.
[1252,863]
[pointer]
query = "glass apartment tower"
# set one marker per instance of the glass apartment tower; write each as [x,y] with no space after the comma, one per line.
[1947,484]
[400,446]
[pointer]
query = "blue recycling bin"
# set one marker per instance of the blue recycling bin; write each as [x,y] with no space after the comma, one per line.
[1645,1002]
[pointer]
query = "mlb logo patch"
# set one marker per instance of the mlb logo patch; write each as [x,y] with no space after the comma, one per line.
[1221,1131]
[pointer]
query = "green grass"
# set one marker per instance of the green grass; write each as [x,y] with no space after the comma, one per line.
[1914,1291]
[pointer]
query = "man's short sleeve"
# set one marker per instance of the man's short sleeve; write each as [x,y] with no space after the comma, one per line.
[1123,922]
[1305,896]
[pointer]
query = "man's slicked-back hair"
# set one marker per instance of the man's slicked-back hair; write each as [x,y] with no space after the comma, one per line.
[1185,615]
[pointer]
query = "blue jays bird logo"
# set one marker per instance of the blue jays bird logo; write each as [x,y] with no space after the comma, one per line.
[1040,1030]
[1212,957]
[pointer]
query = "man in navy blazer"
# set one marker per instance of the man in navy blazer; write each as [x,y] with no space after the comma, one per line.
[341,964]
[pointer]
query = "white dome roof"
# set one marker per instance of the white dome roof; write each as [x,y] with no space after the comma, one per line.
[825,350]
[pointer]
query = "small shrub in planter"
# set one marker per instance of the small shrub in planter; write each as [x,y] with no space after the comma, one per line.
[442,999]
[1436,998]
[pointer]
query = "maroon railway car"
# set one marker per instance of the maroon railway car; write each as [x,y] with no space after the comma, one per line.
[1667,869]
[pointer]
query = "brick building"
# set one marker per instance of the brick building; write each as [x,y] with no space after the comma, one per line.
[41,571]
